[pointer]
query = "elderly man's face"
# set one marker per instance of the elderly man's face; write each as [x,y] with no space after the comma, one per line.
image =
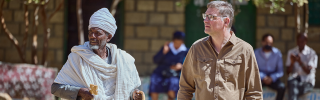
[98,38]
[216,24]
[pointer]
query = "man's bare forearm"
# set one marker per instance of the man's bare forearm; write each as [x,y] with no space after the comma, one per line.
[304,67]
[290,68]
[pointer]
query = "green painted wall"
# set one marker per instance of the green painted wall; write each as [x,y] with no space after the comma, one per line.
[194,23]
[245,23]
[314,9]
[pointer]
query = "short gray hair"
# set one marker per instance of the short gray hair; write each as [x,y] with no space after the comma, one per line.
[225,9]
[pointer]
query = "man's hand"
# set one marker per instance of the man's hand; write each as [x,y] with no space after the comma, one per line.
[304,67]
[138,95]
[267,80]
[85,94]
[298,59]
[292,58]
[176,67]
[166,48]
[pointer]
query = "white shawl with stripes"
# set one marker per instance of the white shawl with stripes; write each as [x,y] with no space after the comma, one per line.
[84,67]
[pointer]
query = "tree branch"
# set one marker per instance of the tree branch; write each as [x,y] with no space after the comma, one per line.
[298,18]
[80,22]
[114,7]
[35,36]
[26,14]
[45,20]
[306,23]
[46,35]
[56,10]
[10,36]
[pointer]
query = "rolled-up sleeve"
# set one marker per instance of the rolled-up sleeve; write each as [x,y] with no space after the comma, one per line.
[187,84]
[65,91]
[313,62]
[253,83]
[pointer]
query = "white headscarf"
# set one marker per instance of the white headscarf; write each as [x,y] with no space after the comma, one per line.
[103,19]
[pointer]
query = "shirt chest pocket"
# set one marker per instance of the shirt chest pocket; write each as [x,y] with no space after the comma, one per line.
[204,67]
[232,67]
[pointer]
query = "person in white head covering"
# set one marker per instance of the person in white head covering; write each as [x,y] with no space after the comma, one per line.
[99,63]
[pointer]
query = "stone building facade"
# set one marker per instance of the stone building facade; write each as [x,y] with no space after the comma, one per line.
[282,26]
[148,25]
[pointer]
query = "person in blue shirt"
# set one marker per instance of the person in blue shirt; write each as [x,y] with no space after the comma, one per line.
[165,78]
[270,64]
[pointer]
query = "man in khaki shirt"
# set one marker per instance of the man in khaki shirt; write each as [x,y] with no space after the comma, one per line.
[220,66]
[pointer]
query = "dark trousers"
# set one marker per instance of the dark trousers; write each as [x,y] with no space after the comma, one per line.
[279,87]
[297,88]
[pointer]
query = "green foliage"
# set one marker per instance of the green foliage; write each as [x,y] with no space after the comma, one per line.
[178,4]
[277,5]
[38,2]
[273,5]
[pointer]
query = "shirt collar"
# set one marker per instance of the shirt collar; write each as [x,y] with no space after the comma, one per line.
[233,39]
[304,51]
[273,51]
[176,51]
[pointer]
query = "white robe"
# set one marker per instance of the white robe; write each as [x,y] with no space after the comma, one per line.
[84,67]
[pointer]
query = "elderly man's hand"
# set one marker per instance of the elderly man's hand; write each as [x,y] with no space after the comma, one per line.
[85,94]
[138,95]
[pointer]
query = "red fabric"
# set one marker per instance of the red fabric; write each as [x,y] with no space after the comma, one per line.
[24,80]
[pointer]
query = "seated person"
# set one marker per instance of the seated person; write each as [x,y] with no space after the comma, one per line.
[165,77]
[270,65]
[301,66]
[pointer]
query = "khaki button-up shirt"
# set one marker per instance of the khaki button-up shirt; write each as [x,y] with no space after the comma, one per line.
[232,74]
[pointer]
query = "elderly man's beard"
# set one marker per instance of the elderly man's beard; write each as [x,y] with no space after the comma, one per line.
[101,44]
[94,46]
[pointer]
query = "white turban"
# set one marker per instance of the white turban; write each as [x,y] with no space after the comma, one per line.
[103,19]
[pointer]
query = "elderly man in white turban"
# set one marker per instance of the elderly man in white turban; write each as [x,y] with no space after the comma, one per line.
[99,63]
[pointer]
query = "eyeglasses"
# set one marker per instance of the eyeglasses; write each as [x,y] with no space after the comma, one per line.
[204,16]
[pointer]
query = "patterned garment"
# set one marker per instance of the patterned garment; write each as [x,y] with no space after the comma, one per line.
[24,80]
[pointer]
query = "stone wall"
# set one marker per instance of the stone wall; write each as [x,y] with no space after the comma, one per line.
[314,43]
[14,17]
[282,26]
[148,25]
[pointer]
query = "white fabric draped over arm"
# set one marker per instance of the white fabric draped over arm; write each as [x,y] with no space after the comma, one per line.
[83,68]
